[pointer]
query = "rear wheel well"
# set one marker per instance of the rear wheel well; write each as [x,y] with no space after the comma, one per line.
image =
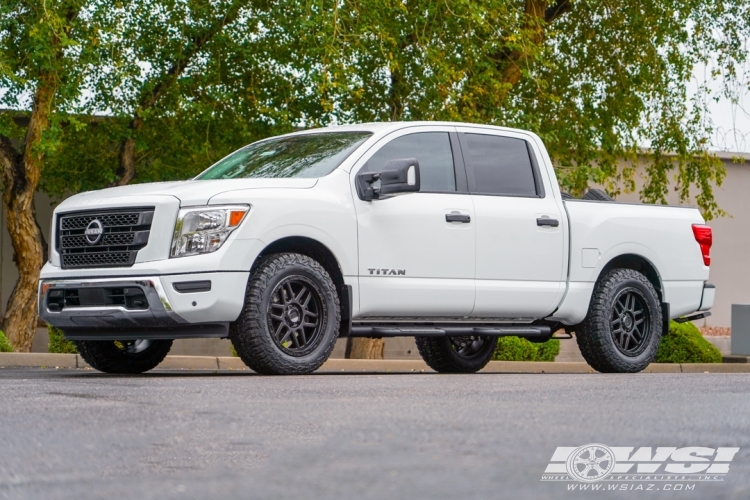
[637,263]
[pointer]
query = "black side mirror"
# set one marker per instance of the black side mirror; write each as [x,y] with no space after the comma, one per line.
[398,176]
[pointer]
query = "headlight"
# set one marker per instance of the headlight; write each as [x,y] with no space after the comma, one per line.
[205,229]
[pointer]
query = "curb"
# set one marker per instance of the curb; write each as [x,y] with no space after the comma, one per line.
[338,365]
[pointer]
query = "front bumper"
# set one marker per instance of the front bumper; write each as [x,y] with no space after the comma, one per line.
[162,311]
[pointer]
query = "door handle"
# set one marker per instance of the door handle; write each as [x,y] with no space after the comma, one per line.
[465,219]
[547,222]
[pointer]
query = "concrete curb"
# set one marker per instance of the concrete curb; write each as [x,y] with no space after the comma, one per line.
[337,365]
[38,360]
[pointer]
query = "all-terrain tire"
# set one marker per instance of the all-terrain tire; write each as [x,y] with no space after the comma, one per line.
[603,337]
[256,340]
[111,356]
[441,355]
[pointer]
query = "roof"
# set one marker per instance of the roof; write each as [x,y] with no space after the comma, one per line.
[382,127]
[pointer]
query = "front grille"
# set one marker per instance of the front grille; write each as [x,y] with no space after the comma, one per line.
[123,233]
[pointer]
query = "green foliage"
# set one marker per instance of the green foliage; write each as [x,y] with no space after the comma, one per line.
[57,342]
[233,351]
[518,349]
[4,344]
[685,344]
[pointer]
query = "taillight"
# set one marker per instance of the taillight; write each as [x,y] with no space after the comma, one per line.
[704,237]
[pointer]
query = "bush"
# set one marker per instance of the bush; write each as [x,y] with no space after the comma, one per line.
[685,344]
[4,344]
[518,349]
[57,342]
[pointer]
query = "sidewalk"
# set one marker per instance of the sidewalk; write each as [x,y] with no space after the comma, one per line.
[214,363]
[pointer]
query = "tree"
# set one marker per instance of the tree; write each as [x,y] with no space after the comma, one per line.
[599,81]
[37,46]
[185,84]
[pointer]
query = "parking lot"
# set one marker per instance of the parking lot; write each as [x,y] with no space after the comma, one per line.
[201,434]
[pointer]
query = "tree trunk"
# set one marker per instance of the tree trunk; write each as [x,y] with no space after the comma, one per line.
[364,348]
[126,170]
[395,97]
[21,174]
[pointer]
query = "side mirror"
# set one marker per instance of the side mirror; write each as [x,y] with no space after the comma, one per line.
[398,176]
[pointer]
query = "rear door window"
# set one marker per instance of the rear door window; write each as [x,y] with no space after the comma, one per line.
[500,165]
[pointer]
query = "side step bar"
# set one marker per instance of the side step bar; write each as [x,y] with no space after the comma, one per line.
[526,331]
[692,318]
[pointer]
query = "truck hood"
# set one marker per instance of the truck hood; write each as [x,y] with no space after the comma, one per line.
[189,193]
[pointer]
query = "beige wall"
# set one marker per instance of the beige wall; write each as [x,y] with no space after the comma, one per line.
[730,269]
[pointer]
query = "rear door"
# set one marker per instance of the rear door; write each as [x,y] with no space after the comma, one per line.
[413,260]
[520,266]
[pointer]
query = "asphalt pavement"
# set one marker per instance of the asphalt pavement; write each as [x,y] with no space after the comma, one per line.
[79,434]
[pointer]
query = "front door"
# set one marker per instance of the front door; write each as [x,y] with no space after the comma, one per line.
[520,266]
[416,250]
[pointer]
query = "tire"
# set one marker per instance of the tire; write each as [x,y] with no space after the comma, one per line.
[120,356]
[597,195]
[623,327]
[467,354]
[567,196]
[285,293]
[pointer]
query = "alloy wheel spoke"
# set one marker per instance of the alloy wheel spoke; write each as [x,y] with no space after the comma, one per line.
[626,341]
[279,331]
[288,293]
[301,333]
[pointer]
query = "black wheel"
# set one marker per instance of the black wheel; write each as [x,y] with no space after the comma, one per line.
[290,320]
[622,329]
[123,356]
[466,354]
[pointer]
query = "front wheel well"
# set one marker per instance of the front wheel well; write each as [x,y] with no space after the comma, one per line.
[640,264]
[311,248]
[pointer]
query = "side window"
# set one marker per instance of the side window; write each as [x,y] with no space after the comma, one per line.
[501,165]
[433,152]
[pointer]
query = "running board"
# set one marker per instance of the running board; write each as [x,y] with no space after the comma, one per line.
[526,331]
[692,318]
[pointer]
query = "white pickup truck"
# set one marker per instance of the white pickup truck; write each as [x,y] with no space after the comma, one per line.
[452,233]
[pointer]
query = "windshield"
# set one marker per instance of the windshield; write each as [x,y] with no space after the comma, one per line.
[302,156]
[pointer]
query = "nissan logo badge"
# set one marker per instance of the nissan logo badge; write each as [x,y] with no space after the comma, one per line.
[94,232]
